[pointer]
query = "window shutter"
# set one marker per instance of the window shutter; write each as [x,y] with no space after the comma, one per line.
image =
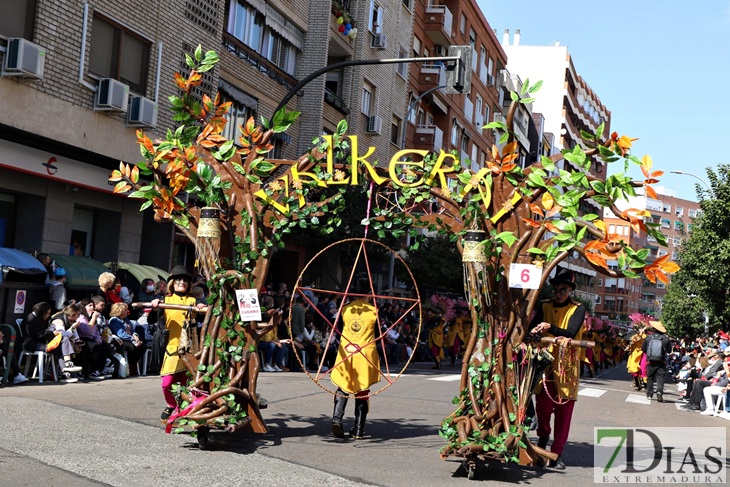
[101,54]
[133,63]
[14,20]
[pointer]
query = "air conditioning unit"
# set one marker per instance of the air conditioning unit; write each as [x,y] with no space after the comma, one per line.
[375,124]
[111,95]
[438,50]
[142,112]
[379,41]
[23,58]
[490,80]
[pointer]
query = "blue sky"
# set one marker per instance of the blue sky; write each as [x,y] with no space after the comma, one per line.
[660,67]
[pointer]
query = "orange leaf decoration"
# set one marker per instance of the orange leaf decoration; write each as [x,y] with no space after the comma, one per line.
[510,148]
[553,211]
[532,223]
[650,192]
[596,259]
[661,276]
[536,209]
[551,227]
[508,167]
[135,174]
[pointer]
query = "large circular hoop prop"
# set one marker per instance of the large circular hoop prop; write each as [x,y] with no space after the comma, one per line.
[362,259]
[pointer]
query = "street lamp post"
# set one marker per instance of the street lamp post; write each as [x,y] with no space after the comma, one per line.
[685,173]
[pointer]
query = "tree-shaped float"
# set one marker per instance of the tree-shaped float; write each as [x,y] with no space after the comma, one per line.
[501,215]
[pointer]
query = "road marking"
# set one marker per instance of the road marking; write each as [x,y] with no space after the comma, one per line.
[447,378]
[590,392]
[638,399]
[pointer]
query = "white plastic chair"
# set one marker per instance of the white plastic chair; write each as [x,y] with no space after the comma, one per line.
[145,360]
[40,366]
[719,404]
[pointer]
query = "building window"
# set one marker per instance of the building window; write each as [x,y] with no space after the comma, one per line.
[416,47]
[462,24]
[666,207]
[407,4]
[246,24]
[120,54]
[402,67]
[455,129]
[666,223]
[367,98]
[490,67]
[375,22]
[395,131]
[679,211]
[678,225]
[237,115]
[17,18]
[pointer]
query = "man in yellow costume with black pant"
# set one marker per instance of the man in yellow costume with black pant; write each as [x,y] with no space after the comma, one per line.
[358,363]
[559,317]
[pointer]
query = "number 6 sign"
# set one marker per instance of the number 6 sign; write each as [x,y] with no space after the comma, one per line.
[524,276]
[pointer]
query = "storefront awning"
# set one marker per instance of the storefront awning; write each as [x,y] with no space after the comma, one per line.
[81,272]
[21,266]
[141,271]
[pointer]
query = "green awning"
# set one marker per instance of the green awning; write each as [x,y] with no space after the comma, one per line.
[141,271]
[81,272]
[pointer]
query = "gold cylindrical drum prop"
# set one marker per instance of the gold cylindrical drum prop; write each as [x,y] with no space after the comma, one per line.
[473,246]
[210,224]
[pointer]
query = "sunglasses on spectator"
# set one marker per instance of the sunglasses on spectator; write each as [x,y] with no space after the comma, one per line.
[561,290]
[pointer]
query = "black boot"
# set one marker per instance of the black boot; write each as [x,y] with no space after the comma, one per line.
[338,414]
[438,364]
[361,413]
[543,441]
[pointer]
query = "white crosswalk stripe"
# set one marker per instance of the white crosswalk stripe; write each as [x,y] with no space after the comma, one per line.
[446,378]
[638,399]
[591,392]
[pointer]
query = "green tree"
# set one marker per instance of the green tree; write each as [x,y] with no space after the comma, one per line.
[682,310]
[436,266]
[704,261]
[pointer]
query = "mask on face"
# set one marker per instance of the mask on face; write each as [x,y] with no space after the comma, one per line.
[150,289]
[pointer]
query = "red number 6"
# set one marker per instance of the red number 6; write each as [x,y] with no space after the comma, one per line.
[525,275]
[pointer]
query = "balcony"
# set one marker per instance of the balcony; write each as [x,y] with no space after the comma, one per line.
[429,137]
[333,99]
[468,109]
[431,75]
[437,24]
[256,60]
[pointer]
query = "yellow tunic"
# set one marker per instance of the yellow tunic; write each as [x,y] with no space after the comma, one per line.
[450,337]
[566,386]
[362,368]
[436,339]
[633,364]
[173,322]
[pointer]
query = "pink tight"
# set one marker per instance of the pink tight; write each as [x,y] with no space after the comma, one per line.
[167,383]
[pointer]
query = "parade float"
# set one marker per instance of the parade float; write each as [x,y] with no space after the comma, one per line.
[512,225]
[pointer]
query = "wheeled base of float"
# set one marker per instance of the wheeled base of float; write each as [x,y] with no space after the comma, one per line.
[473,462]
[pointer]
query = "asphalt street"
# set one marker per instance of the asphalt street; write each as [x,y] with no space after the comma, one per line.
[109,433]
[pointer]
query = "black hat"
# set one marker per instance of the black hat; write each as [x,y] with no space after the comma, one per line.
[564,276]
[180,271]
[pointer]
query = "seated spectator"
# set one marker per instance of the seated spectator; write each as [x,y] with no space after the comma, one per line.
[106,289]
[97,353]
[120,286]
[717,386]
[129,336]
[39,332]
[146,295]
[275,350]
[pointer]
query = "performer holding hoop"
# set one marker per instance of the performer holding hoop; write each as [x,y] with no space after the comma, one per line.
[358,363]
[560,317]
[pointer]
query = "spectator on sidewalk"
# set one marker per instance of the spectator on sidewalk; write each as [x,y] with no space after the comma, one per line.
[57,289]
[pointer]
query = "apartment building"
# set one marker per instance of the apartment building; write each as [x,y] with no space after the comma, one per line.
[568,105]
[438,120]
[81,77]
[620,297]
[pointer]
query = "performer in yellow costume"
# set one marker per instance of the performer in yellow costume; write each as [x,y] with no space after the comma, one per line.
[179,287]
[559,317]
[358,363]
[436,342]
[633,364]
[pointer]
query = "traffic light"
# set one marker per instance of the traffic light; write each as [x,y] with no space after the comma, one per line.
[458,76]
